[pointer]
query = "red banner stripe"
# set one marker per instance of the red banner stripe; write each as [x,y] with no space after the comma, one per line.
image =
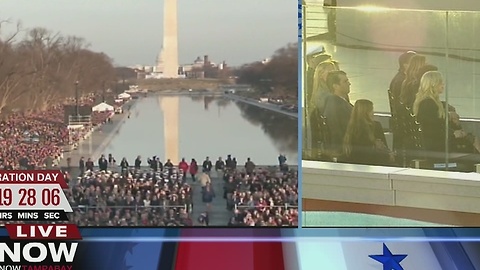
[215,255]
[268,255]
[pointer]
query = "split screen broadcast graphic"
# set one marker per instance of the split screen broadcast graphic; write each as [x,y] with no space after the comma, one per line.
[33,209]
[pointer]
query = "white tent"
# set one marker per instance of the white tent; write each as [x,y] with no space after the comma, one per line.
[124,95]
[103,107]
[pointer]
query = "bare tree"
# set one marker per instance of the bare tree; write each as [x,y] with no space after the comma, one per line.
[39,71]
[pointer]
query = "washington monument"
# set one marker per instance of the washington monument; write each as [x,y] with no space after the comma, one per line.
[167,62]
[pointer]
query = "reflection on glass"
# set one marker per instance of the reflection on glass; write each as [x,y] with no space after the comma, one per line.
[419,75]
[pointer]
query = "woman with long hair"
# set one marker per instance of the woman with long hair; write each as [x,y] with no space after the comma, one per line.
[430,113]
[410,84]
[316,102]
[364,141]
[320,88]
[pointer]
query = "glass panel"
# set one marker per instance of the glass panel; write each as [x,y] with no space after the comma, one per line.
[366,43]
[425,103]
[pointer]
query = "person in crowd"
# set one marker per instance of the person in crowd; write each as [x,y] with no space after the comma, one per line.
[229,162]
[229,189]
[204,179]
[102,163]
[249,166]
[69,163]
[207,166]
[8,166]
[49,163]
[193,169]
[81,165]
[207,196]
[124,166]
[203,219]
[282,159]
[138,162]
[337,109]
[397,81]
[89,165]
[219,166]
[364,141]
[183,165]
[411,82]
[168,166]
[234,163]
[430,113]
[111,160]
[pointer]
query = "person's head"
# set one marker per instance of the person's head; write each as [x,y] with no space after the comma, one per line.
[361,121]
[338,83]
[183,159]
[314,60]
[193,160]
[362,111]
[415,64]
[431,86]
[321,72]
[426,69]
[219,158]
[404,60]
[207,158]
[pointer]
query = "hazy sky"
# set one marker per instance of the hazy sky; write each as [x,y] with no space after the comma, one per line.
[130,31]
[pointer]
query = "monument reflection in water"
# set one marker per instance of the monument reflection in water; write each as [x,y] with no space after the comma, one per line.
[173,127]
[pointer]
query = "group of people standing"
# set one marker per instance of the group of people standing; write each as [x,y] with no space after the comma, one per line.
[352,132]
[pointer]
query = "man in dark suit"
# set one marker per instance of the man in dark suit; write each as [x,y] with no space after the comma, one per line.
[102,163]
[337,109]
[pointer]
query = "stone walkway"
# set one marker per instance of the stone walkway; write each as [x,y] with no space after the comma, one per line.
[219,215]
[93,146]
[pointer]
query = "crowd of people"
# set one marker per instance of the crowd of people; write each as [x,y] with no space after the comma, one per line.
[115,193]
[349,132]
[31,140]
[262,198]
[133,197]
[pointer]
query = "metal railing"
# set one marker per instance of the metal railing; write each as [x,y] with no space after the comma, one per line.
[135,208]
[286,206]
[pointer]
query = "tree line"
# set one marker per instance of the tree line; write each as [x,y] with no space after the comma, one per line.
[278,75]
[41,69]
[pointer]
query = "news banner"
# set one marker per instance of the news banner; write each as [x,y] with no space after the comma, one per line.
[33,208]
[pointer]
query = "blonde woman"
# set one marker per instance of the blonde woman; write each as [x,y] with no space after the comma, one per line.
[410,84]
[316,102]
[364,141]
[430,113]
[320,89]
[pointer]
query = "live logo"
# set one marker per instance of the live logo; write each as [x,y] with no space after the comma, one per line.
[42,231]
